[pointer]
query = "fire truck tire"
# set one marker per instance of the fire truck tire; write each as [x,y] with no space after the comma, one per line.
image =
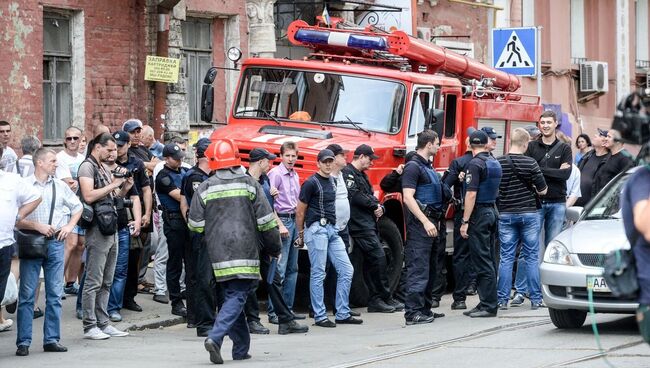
[391,240]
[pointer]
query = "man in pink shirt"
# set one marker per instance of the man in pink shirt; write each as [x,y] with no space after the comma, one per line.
[285,179]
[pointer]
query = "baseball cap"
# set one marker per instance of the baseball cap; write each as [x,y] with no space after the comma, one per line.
[365,149]
[325,155]
[172,150]
[336,149]
[121,137]
[201,146]
[258,154]
[602,132]
[532,130]
[478,137]
[131,125]
[491,132]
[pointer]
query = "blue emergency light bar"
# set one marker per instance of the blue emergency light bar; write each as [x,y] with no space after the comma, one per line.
[341,39]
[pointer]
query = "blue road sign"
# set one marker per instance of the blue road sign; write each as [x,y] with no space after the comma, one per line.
[514,50]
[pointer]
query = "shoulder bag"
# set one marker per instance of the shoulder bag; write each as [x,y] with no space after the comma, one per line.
[31,243]
[529,186]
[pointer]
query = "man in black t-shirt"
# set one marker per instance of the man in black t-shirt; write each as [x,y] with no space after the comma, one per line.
[619,161]
[518,220]
[316,225]
[589,166]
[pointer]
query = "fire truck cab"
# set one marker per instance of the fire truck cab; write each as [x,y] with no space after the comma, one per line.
[362,85]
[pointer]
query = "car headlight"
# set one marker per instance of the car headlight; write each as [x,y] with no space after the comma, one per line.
[557,253]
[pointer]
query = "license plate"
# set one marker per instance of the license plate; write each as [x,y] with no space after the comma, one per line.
[597,284]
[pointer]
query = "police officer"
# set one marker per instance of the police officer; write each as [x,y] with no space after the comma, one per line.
[463,270]
[231,213]
[365,210]
[479,222]
[201,290]
[422,193]
[168,184]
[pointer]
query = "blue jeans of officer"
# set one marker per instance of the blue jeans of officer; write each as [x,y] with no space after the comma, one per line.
[482,227]
[29,275]
[115,300]
[324,242]
[515,228]
[420,258]
[288,264]
[231,319]
[551,219]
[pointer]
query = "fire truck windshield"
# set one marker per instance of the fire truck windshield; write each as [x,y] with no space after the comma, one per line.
[318,97]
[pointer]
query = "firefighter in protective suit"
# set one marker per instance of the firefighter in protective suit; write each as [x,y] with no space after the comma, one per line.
[231,212]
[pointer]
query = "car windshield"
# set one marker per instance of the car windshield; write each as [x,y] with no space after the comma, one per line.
[372,104]
[607,204]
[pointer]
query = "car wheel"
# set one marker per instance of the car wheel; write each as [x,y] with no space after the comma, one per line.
[567,318]
[391,241]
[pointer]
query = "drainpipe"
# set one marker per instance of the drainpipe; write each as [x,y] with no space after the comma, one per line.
[162,49]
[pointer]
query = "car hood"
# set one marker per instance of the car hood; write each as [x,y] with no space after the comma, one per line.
[594,236]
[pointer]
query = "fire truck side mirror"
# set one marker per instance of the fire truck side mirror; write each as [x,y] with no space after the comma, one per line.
[434,120]
[207,95]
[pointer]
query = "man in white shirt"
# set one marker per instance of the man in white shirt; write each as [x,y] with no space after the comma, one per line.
[9,157]
[17,200]
[68,161]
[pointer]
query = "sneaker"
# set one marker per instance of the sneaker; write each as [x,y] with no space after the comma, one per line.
[115,317]
[6,325]
[380,306]
[517,301]
[96,334]
[273,319]
[395,304]
[503,305]
[537,305]
[114,332]
[71,290]
[419,319]
[458,304]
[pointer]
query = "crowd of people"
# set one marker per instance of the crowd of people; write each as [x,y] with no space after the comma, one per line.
[105,209]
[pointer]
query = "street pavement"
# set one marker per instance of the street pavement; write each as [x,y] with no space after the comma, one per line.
[517,338]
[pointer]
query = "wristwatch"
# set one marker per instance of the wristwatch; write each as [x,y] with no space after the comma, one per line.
[464,222]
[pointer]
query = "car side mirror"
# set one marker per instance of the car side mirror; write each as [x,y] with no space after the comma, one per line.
[434,120]
[573,213]
[207,95]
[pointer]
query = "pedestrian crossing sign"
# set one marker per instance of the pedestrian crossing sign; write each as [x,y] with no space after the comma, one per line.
[514,50]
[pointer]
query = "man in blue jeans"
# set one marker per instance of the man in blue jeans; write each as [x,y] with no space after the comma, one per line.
[518,218]
[55,217]
[285,179]
[554,159]
[317,210]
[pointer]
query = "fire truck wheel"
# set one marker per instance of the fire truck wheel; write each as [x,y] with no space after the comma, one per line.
[391,241]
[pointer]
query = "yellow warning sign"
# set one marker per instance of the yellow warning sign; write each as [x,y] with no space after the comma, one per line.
[161,69]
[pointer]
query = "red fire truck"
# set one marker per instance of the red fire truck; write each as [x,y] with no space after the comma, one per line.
[364,85]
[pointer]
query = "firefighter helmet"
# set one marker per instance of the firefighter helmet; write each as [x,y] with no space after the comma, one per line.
[222,154]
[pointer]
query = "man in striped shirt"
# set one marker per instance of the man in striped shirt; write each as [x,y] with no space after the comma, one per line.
[518,219]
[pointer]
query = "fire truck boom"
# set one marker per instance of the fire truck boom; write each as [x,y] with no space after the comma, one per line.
[418,52]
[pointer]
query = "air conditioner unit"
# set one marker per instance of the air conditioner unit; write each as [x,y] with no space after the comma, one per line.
[593,77]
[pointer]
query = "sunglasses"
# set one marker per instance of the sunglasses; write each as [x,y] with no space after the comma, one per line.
[71,138]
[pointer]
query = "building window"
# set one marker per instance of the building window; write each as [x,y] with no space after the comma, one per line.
[528,13]
[578,54]
[642,54]
[57,76]
[197,59]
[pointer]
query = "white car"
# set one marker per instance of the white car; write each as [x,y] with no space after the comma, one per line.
[573,261]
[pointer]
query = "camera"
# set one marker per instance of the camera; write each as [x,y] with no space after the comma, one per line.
[632,118]
[121,203]
[127,174]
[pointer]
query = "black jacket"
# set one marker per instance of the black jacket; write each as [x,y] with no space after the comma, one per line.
[555,177]
[363,203]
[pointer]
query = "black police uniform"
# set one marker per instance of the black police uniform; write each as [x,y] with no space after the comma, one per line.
[483,176]
[464,272]
[199,280]
[363,230]
[420,252]
[175,230]
[140,180]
